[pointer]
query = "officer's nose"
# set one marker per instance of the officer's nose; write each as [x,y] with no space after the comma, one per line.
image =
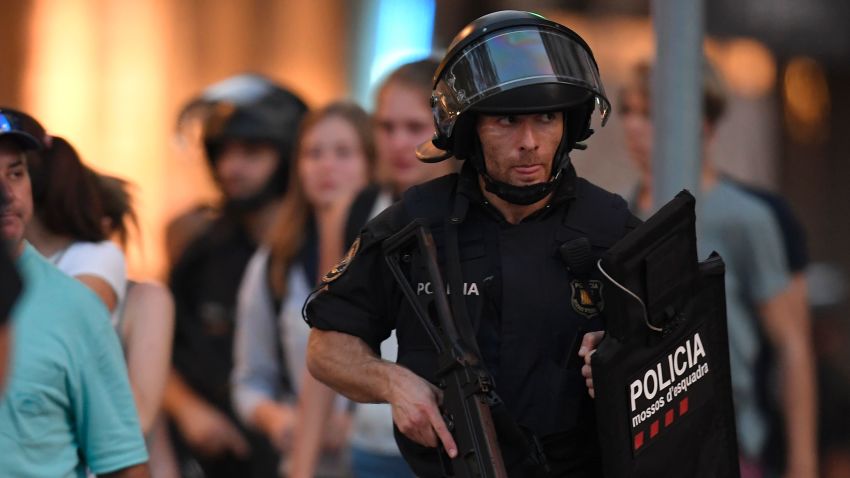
[527,139]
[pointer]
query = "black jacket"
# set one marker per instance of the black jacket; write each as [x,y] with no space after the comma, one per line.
[518,292]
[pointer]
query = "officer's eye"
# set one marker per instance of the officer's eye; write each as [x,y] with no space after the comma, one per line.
[547,117]
[507,120]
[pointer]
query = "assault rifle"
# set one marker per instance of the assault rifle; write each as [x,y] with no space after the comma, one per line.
[467,386]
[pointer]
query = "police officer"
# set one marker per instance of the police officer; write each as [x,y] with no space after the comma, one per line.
[512,97]
[248,143]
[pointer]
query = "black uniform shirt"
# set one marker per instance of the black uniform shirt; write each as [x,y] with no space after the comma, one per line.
[205,281]
[518,293]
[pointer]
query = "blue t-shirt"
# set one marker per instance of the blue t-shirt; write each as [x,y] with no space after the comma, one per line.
[68,403]
[744,232]
[793,233]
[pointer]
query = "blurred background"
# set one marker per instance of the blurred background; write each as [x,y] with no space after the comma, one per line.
[112,75]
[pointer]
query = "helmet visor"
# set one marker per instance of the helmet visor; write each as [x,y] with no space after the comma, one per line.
[510,59]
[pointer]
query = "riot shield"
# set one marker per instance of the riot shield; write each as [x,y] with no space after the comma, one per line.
[661,374]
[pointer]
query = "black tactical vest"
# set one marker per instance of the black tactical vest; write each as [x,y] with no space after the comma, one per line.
[525,306]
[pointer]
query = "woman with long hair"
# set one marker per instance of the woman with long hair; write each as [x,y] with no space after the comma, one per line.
[67,227]
[334,160]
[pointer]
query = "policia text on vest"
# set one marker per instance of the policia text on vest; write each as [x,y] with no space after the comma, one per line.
[669,379]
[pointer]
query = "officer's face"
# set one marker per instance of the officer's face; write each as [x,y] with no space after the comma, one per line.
[403,121]
[243,168]
[16,188]
[519,149]
[637,124]
[332,165]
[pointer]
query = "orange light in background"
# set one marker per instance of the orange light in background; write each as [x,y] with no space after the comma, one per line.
[61,81]
[747,65]
[97,76]
[807,100]
[134,110]
[110,77]
[309,46]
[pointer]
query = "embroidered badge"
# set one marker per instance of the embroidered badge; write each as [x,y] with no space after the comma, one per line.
[340,268]
[587,297]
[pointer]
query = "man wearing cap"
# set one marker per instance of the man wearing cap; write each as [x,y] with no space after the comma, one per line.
[68,406]
[512,97]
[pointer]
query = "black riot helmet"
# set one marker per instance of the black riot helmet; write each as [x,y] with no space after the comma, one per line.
[254,109]
[513,62]
[22,128]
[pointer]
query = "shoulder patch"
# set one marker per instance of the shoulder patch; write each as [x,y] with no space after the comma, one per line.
[343,264]
[587,297]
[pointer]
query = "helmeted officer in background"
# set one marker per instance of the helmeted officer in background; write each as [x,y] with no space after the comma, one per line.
[248,137]
[512,97]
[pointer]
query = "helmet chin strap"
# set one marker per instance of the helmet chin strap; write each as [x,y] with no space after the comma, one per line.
[520,195]
[524,195]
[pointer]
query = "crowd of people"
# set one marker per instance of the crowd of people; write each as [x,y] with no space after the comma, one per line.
[210,375]
[215,361]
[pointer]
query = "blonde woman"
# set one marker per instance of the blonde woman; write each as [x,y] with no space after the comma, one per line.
[334,159]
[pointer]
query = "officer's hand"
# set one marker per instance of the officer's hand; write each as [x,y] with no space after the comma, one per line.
[416,413]
[588,346]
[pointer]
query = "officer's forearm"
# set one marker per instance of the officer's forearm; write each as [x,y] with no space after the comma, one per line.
[346,364]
